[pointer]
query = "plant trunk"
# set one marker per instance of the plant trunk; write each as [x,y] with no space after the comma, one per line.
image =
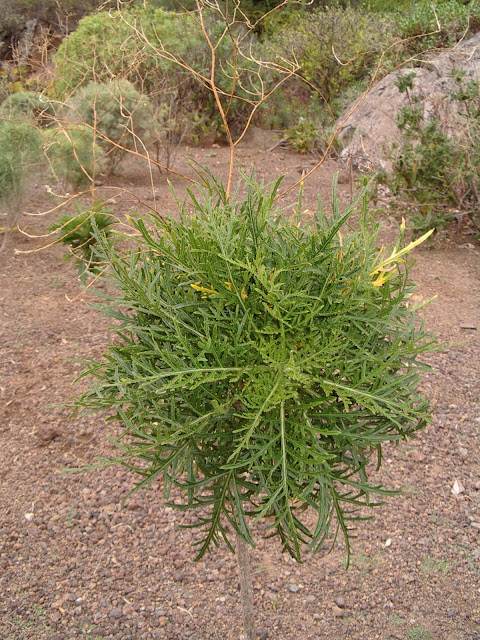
[246,588]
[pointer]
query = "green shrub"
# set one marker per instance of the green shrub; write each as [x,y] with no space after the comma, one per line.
[259,364]
[118,113]
[79,232]
[456,18]
[435,169]
[322,37]
[73,155]
[28,105]
[303,136]
[105,48]
[20,159]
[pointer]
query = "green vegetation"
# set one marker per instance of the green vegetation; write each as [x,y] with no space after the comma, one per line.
[20,154]
[260,365]
[418,633]
[437,171]
[73,155]
[28,105]
[118,113]
[79,233]
[323,37]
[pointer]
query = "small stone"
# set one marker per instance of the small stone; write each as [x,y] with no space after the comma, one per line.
[294,588]
[476,554]
[340,601]
[337,612]
[263,634]
[475,525]
[457,488]
[468,325]
[310,599]
[47,433]
[115,613]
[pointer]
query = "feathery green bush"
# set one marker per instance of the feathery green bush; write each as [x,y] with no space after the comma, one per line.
[118,113]
[322,37]
[79,232]
[73,154]
[260,364]
[28,105]
[20,158]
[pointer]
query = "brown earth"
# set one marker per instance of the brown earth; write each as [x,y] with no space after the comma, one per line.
[74,564]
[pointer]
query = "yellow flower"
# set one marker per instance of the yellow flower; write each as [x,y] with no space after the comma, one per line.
[388,266]
[207,290]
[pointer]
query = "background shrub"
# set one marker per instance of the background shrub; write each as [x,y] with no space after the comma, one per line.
[438,166]
[102,49]
[73,155]
[20,159]
[117,112]
[355,36]
[79,233]
[28,105]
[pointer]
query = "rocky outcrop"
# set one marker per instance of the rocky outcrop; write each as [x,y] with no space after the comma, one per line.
[369,124]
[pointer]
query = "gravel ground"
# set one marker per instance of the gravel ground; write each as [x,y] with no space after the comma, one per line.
[75,564]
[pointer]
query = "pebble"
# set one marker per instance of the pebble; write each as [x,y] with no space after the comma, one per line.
[337,612]
[294,588]
[115,613]
[310,599]
[340,602]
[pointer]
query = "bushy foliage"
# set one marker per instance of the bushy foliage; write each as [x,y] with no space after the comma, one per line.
[107,47]
[20,158]
[433,167]
[28,105]
[420,24]
[15,13]
[79,233]
[73,155]
[260,364]
[118,113]
[303,136]
[322,37]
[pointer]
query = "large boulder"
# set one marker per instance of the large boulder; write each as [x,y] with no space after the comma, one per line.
[368,128]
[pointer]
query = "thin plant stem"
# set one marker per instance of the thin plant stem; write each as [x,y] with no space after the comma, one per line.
[246,587]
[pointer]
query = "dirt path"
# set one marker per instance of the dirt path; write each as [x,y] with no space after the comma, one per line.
[73,564]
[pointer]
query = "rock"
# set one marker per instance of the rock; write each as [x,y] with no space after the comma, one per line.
[457,488]
[294,588]
[310,599]
[340,602]
[337,612]
[263,634]
[46,433]
[115,613]
[371,129]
